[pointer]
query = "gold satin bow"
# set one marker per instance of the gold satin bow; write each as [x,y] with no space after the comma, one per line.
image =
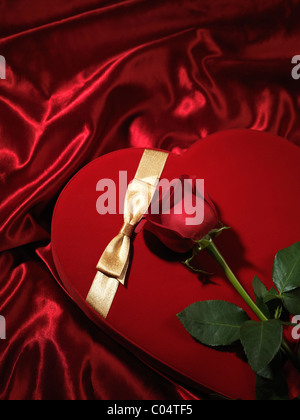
[113,264]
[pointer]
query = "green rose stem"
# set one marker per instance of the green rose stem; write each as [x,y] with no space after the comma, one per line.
[214,252]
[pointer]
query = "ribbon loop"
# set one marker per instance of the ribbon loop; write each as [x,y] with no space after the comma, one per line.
[113,264]
[115,256]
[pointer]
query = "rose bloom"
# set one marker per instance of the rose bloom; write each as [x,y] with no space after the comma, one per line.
[178,231]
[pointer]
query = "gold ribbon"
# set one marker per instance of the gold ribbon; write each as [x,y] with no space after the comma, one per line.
[113,264]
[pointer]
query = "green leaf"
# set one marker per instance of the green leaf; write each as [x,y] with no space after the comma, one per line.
[266,372]
[272,389]
[259,288]
[272,294]
[260,291]
[286,269]
[261,342]
[214,322]
[288,324]
[271,371]
[291,301]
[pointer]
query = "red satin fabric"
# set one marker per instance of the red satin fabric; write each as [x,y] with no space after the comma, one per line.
[88,77]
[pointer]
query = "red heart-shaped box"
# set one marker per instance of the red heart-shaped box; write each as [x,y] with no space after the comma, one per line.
[253,179]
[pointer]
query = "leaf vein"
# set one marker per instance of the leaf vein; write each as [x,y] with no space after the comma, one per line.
[289,276]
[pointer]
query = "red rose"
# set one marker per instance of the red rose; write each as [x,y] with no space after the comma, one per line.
[185,214]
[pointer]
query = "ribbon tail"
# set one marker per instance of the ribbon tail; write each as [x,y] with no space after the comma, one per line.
[102,293]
